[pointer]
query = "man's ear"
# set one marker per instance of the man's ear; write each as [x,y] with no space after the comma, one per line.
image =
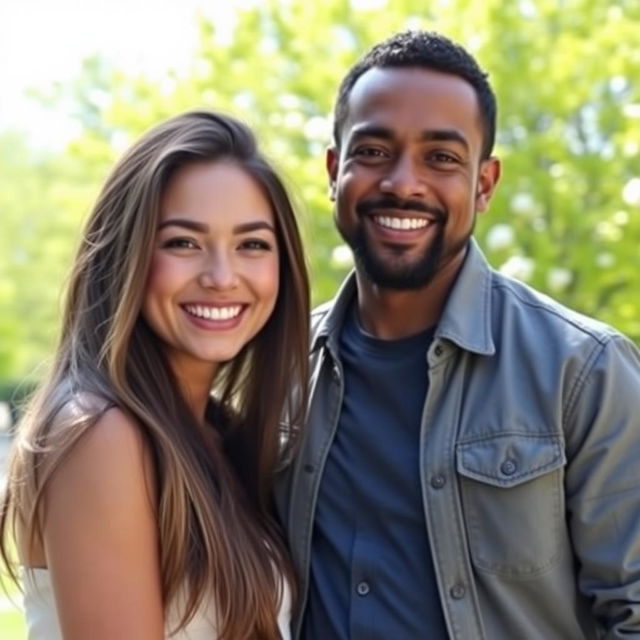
[488,177]
[332,162]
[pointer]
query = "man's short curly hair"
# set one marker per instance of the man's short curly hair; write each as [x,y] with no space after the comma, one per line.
[427,50]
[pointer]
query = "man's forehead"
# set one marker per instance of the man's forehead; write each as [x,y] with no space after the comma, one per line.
[416,97]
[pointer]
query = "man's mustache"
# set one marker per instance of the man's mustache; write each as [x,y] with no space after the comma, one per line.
[369,206]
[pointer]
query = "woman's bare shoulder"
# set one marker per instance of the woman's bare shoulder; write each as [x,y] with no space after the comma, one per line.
[100,531]
[109,451]
[81,406]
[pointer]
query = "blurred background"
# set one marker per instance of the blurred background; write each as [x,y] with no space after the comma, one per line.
[79,80]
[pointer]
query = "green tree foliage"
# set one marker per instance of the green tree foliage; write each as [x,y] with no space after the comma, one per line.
[566,217]
[40,199]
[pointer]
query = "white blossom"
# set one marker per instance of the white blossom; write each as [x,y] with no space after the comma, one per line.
[243,100]
[289,102]
[631,110]
[608,231]
[618,84]
[318,129]
[341,257]
[293,120]
[120,141]
[621,217]
[605,260]
[523,203]
[559,278]
[500,236]
[368,5]
[520,267]
[631,192]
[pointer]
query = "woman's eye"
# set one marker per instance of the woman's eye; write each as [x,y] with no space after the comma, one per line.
[179,243]
[255,244]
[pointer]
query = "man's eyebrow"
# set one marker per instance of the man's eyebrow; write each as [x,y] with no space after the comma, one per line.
[444,135]
[429,135]
[371,131]
[200,227]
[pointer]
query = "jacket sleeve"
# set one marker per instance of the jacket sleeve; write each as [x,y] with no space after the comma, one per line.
[603,484]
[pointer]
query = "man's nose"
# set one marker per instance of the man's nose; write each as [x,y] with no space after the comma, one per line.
[404,179]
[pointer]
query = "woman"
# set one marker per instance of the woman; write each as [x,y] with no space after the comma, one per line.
[139,487]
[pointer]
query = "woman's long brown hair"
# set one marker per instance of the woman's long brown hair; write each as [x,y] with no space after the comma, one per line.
[217,536]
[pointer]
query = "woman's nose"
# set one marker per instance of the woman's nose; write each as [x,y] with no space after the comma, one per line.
[218,273]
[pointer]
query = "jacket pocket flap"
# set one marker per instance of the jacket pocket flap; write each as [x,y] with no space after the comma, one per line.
[510,459]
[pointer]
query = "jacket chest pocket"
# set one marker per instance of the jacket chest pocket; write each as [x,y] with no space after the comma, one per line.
[513,502]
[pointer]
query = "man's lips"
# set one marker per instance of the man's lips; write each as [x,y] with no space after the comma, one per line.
[403,223]
[397,215]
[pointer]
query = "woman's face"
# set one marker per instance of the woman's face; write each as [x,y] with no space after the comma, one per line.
[214,277]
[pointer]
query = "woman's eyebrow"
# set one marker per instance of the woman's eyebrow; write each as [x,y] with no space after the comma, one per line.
[200,227]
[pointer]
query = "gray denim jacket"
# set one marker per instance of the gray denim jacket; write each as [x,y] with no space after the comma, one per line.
[530,449]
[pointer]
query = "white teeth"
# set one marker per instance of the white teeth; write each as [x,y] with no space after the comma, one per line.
[213,313]
[401,223]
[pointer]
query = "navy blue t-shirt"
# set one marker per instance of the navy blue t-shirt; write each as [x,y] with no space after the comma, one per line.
[372,575]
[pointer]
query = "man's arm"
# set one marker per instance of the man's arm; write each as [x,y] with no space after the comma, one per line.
[603,484]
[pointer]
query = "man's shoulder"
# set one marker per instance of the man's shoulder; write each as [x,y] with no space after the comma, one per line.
[319,313]
[517,305]
[328,316]
[318,316]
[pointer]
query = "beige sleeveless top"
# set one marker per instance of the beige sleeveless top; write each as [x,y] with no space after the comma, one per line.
[42,619]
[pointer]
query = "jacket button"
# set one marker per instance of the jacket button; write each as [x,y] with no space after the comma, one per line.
[308,468]
[438,481]
[458,592]
[438,350]
[363,588]
[509,467]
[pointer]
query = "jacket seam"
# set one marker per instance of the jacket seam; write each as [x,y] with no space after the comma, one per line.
[581,379]
[600,335]
[503,434]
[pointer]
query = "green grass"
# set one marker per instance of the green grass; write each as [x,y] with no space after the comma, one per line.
[12,626]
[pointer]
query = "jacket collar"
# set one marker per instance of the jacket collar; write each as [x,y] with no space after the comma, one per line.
[331,320]
[465,320]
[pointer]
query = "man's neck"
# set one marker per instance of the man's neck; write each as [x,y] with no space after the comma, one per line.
[391,314]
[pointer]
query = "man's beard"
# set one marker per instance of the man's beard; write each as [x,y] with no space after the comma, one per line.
[402,275]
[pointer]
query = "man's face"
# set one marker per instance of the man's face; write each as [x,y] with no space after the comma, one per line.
[408,179]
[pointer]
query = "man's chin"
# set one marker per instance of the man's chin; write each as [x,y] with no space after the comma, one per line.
[397,277]
[398,272]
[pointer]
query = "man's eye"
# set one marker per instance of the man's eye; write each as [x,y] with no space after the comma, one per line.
[369,152]
[179,243]
[443,157]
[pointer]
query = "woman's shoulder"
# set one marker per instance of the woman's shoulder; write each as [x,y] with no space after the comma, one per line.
[81,407]
[115,428]
[100,438]
[95,416]
[107,466]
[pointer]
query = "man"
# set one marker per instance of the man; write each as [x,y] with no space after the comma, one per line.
[471,464]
